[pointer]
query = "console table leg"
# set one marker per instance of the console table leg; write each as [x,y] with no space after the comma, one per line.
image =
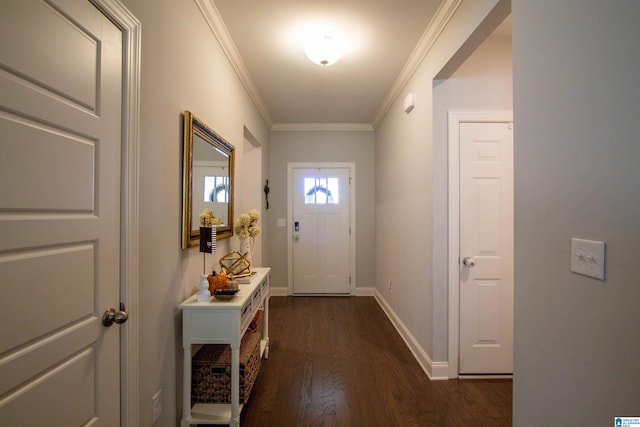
[265,326]
[235,386]
[186,393]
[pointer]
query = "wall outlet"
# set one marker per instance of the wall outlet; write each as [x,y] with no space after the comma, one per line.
[390,287]
[156,406]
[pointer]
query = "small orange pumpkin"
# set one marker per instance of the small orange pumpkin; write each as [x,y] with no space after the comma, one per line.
[217,281]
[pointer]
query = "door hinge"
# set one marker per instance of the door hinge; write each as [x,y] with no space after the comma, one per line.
[349,230]
[349,279]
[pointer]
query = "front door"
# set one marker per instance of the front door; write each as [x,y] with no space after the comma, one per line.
[60,139]
[486,248]
[321,231]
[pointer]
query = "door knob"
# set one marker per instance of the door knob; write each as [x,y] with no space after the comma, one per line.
[112,316]
[469,262]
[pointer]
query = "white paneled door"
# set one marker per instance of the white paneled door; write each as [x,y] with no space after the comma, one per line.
[60,139]
[486,248]
[321,231]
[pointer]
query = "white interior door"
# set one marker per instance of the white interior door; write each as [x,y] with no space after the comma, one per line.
[486,248]
[321,231]
[60,138]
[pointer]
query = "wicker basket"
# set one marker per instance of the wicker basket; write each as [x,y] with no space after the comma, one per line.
[211,371]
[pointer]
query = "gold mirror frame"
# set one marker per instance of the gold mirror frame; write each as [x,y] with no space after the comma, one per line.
[194,129]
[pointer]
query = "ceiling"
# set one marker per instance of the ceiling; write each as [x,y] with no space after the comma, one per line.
[385,42]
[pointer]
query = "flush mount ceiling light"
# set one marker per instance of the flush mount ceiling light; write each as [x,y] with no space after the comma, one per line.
[323,50]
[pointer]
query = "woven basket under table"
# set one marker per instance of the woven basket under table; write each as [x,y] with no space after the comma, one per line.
[211,371]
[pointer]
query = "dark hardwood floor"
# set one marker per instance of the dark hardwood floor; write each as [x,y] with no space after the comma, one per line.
[338,361]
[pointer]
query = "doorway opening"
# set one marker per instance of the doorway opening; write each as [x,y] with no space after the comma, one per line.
[478,76]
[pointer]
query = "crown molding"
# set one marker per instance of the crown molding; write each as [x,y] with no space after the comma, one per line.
[341,127]
[219,30]
[440,20]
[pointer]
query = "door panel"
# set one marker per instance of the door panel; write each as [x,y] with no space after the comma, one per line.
[42,403]
[64,295]
[486,236]
[60,135]
[70,73]
[48,152]
[321,243]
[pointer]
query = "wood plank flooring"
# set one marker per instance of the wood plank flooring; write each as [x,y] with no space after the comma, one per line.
[338,361]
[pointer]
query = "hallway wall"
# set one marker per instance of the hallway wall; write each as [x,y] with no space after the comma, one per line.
[483,82]
[405,194]
[355,146]
[577,146]
[177,75]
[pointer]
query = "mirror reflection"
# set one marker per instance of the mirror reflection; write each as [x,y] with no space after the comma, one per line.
[208,180]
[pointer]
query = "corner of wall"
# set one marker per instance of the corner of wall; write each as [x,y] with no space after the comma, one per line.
[434,370]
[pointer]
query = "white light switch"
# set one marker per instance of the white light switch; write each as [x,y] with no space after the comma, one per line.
[587,257]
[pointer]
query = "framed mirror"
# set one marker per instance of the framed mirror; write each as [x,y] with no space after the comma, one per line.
[207,179]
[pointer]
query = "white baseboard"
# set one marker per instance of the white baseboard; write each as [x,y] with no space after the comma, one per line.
[283,291]
[434,370]
[486,377]
[439,370]
[278,291]
[365,292]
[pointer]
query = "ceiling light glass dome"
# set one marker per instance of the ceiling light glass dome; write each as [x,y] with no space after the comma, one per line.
[324,50]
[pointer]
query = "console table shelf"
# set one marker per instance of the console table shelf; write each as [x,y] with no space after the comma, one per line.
[222,322]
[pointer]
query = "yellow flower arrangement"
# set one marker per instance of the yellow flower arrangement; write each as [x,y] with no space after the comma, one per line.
[247,225]
[207,218]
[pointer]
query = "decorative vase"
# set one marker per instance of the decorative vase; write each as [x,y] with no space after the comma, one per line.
[203,289]
[245,249]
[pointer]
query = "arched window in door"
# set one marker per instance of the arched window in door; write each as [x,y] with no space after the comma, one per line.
[321,191]
[216,189]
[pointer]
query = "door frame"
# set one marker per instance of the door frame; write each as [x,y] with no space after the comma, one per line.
[455,117]
[131,43]
[352,216]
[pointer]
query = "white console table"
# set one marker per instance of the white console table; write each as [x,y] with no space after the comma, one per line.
[222,322]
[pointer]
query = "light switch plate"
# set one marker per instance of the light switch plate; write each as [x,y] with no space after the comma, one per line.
[588,257]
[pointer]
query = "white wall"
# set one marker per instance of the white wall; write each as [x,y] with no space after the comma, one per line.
[577,148]
[251,195]
[323,146]
[183,68]
[483,82]
[405,193]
